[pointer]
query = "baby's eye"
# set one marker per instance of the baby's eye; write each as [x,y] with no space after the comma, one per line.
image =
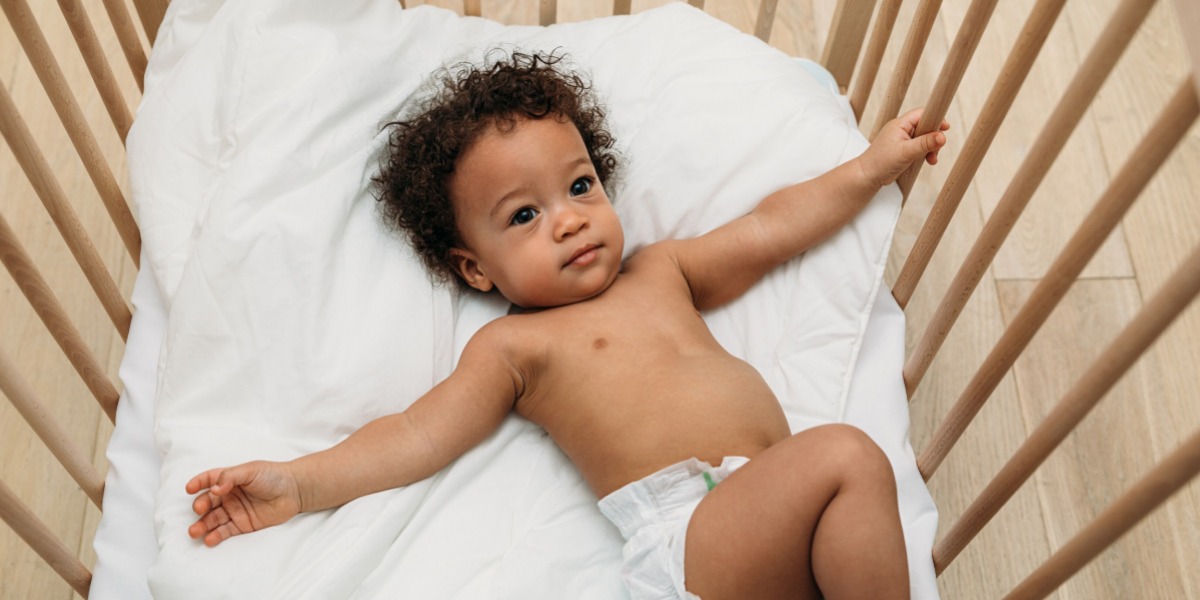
[581,186]
[523,216]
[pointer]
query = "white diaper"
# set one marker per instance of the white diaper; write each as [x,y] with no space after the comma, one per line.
[653,514]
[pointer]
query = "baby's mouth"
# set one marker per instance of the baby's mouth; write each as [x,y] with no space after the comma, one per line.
[583,256]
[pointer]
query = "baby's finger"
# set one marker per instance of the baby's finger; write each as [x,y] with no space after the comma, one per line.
[911,118]
[921,147]
[205,503]
[207,522]
[201,504]
[230,478]
[203,481]
[220,534]
[198,529]
[937,139]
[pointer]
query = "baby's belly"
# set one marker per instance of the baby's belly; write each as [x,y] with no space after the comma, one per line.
[631,427]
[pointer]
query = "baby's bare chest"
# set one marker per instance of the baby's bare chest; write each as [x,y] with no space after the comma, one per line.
[627,355]
[631,387]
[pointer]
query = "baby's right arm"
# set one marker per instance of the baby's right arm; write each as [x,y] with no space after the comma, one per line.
[389,452]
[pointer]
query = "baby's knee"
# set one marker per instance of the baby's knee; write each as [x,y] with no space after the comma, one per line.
[853,454]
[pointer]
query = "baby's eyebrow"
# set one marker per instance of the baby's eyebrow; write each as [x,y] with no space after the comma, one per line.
[506,198]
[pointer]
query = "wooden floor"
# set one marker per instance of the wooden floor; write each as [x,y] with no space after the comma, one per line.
[1151,410]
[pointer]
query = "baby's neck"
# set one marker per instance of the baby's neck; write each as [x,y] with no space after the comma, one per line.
[513,309]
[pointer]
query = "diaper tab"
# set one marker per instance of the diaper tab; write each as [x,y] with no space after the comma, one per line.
[667,495]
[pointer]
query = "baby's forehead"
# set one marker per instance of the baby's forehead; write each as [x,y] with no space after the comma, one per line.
[522,148]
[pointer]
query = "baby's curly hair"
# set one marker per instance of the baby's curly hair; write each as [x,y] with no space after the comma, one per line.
[413,184]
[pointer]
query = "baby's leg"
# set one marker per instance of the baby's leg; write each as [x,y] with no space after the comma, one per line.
[817,510]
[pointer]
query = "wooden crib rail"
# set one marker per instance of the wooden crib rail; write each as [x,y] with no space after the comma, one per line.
[961,52]
[1151,491]
[1151,321]
[22,396]
[150,12]
[1172,126]
[102,75]
[1066,116]
[1016,69]
[38,50]
[1156,146]
[40,175]
[1188,15]
[43,169]
[846,34]
[127,35]
[19,264]
[906,65]
[885,22]
[43,541]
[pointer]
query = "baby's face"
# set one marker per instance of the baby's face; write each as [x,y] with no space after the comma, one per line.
[536,223]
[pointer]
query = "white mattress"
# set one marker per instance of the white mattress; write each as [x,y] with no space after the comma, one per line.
[293,318]
[126,546]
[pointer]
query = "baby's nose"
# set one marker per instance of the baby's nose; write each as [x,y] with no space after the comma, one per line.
[570,222]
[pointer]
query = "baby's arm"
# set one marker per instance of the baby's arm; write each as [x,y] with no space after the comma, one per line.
[389,452]
[725,262]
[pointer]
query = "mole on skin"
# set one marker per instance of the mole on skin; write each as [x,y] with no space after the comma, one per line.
[600,343]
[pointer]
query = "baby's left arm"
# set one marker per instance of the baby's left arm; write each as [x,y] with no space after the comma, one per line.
[722,264]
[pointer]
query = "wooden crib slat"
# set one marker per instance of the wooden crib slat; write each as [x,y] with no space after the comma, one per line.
[127,35]
[473,8]
[1016,68]
[548,12]
[1075,100]
[885,22]
[13,129]
[1122,515]
[97,64]
[1187,16]
[48,308]
[846,34]
[697,3]
[961,52]
[1149,323]
[1171,126]
[622,7]
[56,439]
[51,76]
[151,13]
[906,65]
[42,540]
[766,19]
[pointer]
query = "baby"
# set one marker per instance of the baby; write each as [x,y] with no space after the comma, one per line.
[499,182]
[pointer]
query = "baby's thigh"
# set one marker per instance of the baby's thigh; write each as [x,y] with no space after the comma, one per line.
[751,535]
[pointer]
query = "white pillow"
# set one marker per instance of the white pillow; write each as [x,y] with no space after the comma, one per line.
[294,317]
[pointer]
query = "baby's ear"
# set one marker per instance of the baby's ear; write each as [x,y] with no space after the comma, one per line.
[467,266]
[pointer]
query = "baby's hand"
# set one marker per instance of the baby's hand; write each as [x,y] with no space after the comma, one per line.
[242,499]
[895,148]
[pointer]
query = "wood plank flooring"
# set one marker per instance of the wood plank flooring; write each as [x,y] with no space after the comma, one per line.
[1150,411]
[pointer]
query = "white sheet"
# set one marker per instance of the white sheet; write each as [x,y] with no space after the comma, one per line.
[280,374]
[126,547]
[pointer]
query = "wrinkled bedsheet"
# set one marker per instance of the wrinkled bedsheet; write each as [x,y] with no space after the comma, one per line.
[294,317]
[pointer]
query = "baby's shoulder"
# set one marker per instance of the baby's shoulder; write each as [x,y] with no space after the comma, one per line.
[517,337]
[659,256]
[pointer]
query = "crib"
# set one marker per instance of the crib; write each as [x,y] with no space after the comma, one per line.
[1039,498]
